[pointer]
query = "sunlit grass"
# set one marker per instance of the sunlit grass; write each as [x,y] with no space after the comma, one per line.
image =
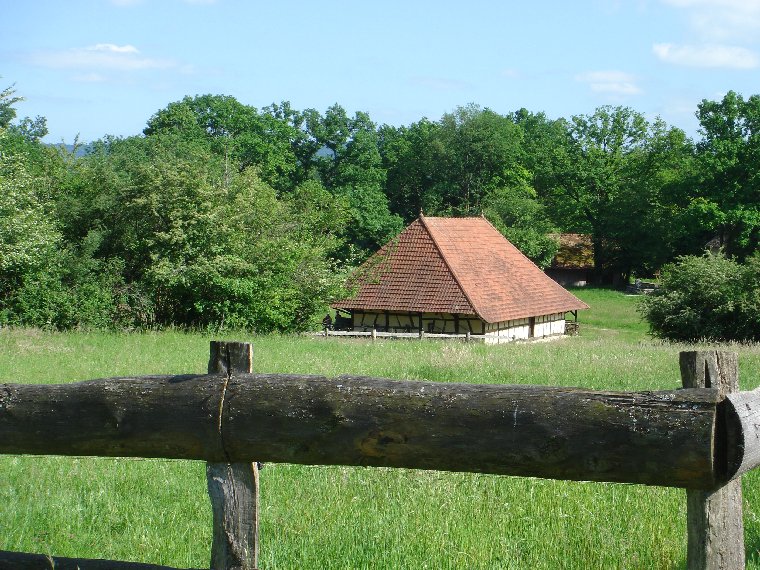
[338,517]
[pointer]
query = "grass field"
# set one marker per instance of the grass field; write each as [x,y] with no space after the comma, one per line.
[339,518]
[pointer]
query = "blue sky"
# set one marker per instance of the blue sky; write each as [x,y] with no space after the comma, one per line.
[101,67]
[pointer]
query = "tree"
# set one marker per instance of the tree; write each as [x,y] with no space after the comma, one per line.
[350,167]
[470,162]
[514,210]
[46,281]
[303,143]
[727,190]
[238,133]
[449,166]
[28,237]
[208,246]
[476,151]
[410,158]
[594,174]
[8,99]
[648,227]
[545,154]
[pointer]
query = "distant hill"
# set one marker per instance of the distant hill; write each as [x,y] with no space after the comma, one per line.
[81,150]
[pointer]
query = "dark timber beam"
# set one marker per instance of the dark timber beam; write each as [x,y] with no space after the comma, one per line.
[24,561]
[655,438]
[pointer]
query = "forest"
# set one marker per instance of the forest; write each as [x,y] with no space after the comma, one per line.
[220,215]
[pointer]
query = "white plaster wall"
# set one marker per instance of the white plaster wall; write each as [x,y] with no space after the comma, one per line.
[545,326]
[518,329]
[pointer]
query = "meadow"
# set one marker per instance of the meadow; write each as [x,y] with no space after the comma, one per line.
[354,518]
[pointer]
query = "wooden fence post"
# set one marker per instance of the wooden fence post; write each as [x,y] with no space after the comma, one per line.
[233,487]
[715,528]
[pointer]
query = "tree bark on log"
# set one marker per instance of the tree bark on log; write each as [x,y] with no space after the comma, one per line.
[655,438]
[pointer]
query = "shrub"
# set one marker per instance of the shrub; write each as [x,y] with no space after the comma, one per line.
[75,293]
[706,298]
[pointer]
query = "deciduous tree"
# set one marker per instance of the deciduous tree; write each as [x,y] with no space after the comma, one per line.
[727,190]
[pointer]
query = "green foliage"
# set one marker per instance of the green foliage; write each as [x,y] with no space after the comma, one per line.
[448,167]
[468,163]
[346,160]
[76,293]
[709,298]
[207,245]
[226,215]
[648,223]
[8,99]
[411,161]
[617,177]
[593,173]
[28,237]
[477,152]
[521,218]
[239,133]
[727,178]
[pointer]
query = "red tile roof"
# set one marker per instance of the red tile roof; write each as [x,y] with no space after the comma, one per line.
[456,265]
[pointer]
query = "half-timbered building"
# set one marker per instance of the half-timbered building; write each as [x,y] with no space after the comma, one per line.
[456,276]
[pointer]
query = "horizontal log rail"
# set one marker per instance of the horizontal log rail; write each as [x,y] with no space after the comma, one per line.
[701,437]
[656,438]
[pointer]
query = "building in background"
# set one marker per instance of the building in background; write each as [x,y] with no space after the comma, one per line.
[573,266]
[456,276]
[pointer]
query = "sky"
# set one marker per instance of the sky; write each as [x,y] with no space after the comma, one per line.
[104,67]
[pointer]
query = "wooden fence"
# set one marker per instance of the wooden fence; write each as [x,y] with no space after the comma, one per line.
[701,438]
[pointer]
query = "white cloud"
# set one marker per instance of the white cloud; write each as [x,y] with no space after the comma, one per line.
[712,55]
[103,57]
[722,20]
[611,82]
[113,48]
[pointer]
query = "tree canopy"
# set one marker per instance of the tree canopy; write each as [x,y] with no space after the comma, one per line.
[224,215]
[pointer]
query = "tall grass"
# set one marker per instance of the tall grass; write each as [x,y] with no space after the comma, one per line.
[338,517]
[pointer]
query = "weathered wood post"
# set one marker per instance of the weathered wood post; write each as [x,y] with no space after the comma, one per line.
[715,528]
[233,487]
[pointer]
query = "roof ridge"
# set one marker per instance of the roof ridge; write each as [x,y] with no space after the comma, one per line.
[449,267]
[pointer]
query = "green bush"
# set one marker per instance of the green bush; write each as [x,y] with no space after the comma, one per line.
[708,298]
[76,292]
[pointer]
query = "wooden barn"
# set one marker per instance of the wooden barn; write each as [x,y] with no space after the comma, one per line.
[456,276]
[573,266]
